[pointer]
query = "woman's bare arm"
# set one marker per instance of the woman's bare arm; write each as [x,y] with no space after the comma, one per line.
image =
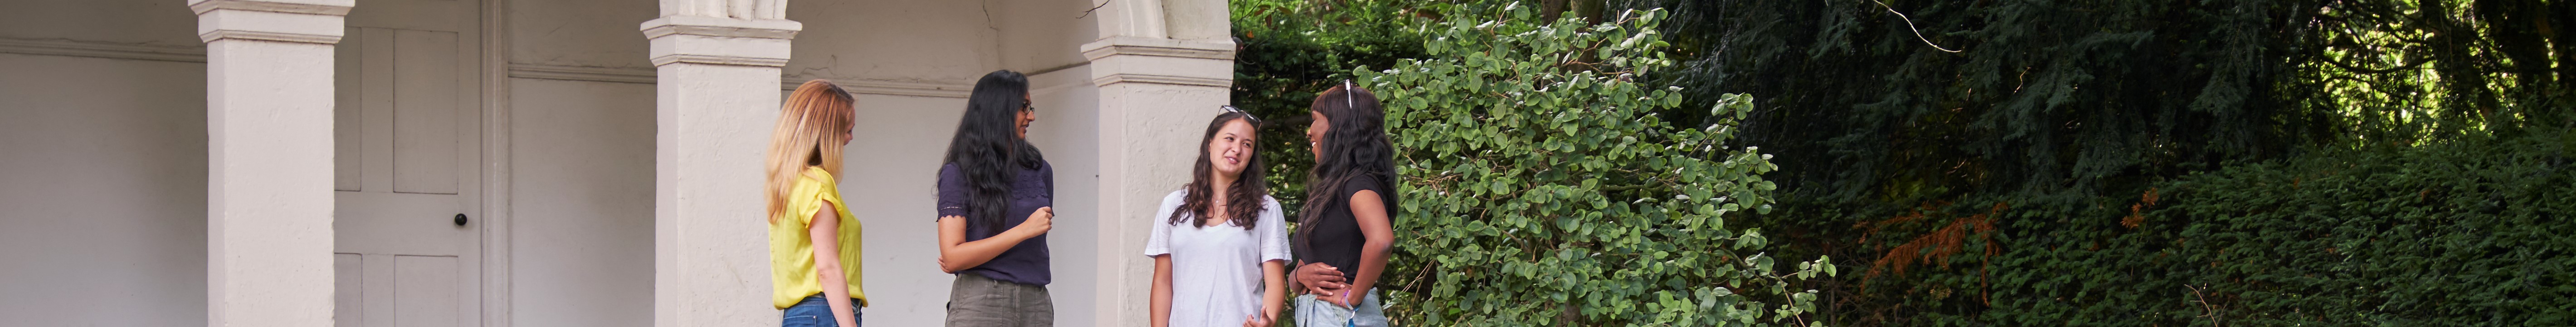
[825,230]
[956,254]
[1274,294]
[1371,212]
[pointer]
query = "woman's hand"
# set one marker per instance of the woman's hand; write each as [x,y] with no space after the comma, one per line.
[1320,279]
[1345,299]
[1039,222]
[1258,320]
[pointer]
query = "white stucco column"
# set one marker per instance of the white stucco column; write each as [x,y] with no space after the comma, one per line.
[716,98]
[1162,69]
[268,144]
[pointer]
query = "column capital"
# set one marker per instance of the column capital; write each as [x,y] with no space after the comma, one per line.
[1218,49]
[299,21]
[1124,59]
[720,40]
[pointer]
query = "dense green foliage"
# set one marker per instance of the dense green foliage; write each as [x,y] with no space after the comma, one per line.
[1941,167]
[2044,97]
[2339,162]
[2460,233]
[1541,189]
[1892,144]
[2102,96]
[1964,143]
[1291,50]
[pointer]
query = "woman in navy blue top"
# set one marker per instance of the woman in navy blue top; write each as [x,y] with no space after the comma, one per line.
[995,198]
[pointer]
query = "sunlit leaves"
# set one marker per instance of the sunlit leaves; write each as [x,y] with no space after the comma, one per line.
[1547,185]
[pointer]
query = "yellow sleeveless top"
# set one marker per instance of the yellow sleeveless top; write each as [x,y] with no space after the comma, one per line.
[791,253]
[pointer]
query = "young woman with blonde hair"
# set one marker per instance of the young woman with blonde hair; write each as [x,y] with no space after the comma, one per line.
[813,240]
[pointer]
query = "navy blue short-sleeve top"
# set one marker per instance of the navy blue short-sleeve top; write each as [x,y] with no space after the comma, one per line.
[1033,188]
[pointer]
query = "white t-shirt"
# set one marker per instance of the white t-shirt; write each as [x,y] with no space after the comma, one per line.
[1216,270]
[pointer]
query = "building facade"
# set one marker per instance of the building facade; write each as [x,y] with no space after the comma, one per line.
[548,162]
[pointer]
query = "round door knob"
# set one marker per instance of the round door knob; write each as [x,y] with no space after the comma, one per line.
[460,219]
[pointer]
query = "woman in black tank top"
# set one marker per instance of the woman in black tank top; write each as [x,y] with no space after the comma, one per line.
[1345,228]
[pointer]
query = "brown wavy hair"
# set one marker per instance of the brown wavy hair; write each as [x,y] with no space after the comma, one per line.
[1243,204]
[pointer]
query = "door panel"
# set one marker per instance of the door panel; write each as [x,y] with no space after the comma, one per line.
[426,67]
[375,285]
[374,95]
[425,291]
[347,162]
[346,275]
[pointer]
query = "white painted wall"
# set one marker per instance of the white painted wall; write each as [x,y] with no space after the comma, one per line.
[582,173]
[581,33]
[136,22]
[107,156]
[103,174]
[102,168]
[1044,35]
[581,157]
[934,41]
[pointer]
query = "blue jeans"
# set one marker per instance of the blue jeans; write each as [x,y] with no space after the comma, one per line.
[815,311]
[1315,312]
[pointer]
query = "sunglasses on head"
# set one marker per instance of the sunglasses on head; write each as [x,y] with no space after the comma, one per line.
[1247,115]
[1346,94]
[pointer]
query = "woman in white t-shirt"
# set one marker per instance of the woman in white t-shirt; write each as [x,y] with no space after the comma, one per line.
[1221,247]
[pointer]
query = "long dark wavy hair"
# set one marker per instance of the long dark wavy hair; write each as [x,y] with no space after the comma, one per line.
[1354,145]
[1243,201]
[987,148]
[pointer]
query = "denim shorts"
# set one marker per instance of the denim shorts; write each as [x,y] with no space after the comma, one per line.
[814,311]
[1313,312]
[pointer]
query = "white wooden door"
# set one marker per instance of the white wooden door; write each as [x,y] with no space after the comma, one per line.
[407,134]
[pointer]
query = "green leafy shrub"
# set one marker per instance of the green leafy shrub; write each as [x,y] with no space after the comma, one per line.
[1291,49]
[1540,189]
[1904,124]
[2473,232]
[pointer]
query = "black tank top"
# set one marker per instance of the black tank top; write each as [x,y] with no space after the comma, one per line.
[1336,238]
